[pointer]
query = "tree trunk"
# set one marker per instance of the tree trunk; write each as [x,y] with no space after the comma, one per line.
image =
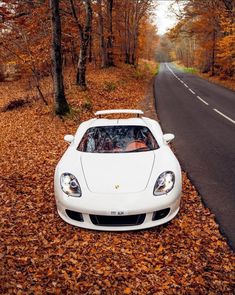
[127,36]
[101,36]
[135,45]
[85,33]
[81,70]
[74,55]
[110,59]
[135,34]
[85,37]
[213,53]
[90,49]
[37,85]
[61,105]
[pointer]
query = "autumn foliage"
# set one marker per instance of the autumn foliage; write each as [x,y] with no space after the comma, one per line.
[205,37]
[42,254]
[103,33]
[39,252]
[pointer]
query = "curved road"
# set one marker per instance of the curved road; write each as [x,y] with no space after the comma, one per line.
[202,116]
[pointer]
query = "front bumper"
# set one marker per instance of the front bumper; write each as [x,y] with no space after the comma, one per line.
[88,215]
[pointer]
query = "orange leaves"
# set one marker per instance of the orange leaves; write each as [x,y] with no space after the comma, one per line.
[127,291]
[204,37]
[42,254]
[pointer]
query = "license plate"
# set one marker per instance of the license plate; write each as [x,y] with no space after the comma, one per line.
[117,212]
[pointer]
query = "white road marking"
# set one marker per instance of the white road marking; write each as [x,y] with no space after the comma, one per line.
[202,100]
[191,91]
[223,115]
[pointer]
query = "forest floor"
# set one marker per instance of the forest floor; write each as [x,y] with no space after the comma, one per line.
[41,254]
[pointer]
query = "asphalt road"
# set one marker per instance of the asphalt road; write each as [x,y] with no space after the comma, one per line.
[202,117]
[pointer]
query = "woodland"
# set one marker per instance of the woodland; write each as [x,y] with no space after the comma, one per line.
[204,37]
[60,62]
[83,33]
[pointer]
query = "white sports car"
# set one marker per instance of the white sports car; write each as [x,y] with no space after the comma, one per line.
[118,174]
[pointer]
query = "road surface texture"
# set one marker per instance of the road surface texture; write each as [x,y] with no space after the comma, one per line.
[202,117]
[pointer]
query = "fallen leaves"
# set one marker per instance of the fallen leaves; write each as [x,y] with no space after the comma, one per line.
[41,254]
[127,291]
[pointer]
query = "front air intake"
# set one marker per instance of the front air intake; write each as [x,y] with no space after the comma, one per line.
[128,220]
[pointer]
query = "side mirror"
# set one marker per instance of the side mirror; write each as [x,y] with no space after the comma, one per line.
[69,138]
[168,137]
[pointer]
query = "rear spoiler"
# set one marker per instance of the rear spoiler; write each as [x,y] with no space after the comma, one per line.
[108,112]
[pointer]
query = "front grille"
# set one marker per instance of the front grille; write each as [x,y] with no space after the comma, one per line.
[74,215]
[127,220]
[160,214]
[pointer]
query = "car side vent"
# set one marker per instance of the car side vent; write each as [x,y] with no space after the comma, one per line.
[160,214]
[74,215]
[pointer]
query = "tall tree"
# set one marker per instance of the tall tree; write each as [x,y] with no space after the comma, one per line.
[102,44]
[61,105]
[105,32]
[110,58]
[140,10]
[133,14]
[85,36]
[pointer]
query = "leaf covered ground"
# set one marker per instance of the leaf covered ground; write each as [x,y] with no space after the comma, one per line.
[41,254]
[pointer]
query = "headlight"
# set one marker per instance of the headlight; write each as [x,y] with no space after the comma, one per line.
[164,183]
[70,185]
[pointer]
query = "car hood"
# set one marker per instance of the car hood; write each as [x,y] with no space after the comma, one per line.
[117,173]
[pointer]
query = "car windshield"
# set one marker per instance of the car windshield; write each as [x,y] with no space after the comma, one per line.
[117,139]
